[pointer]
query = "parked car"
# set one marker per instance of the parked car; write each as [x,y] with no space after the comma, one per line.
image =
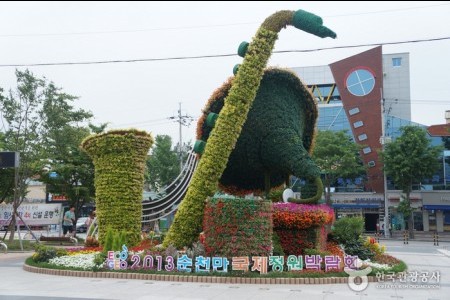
[81,224]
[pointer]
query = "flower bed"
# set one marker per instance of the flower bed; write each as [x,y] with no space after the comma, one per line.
[146,258]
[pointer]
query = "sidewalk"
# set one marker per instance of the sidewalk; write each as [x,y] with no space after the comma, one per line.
[11,255]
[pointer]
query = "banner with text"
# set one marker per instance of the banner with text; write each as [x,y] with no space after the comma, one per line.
[32,214]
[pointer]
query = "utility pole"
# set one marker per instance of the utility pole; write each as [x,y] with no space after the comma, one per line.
[182,121]
[383,141]
[181,138]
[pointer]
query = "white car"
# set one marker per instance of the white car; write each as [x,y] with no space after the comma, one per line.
[81,224]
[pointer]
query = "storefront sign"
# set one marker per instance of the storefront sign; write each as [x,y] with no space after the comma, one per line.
[359,201]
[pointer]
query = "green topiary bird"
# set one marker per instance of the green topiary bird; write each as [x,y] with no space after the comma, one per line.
[228,126]
[276,139]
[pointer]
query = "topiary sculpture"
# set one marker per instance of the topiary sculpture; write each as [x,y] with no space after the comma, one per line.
[119,159]
[276,137]
[228,126]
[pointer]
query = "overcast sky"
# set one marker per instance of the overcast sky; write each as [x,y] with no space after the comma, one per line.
[144,94]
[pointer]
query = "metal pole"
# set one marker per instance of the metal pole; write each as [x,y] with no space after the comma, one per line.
[181,138]
[383,140]
[443,166]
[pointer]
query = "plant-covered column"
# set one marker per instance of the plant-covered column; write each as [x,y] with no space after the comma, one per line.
[188,220]
[119,158]
[238,227]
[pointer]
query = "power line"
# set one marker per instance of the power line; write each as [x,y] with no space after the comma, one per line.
[386,11]
[123,31]
[145,122]
[219,55]
[204,26]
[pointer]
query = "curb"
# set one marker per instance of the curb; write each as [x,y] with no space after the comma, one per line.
[188,278]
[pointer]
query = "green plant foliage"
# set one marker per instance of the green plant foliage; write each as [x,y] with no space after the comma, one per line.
[348,229]
[238,227]
[187,223]
[311,23]
[408,160]
[312,199]
[116,246]
[100,258]
[109,240]
[356,247]
[119,158]
[279,147]
[317,252]
[276,195]
[242,49]
[163,165]
[44,253]
[277,248]
[337,155]
[123,239]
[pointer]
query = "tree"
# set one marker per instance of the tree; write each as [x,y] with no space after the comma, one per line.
[337,155]
[6,176]
[408,160]
[41,126]
[163,164]
[74,176]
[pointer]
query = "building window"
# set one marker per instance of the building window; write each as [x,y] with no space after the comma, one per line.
[353,111]
[367,150]
[358,124]
[360,82]
[371,164]
[397,62]
[362,137]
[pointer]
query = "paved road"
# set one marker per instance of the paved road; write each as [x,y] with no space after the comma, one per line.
[16,284]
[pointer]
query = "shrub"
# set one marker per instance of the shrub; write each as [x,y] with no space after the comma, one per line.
[356,247]
[100,259]
[109,240]
[317,252]
[276,195]
[348,229]
[374,247]
[116,245]
[334,249]
[43,253]
[61,252]
[91,242]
